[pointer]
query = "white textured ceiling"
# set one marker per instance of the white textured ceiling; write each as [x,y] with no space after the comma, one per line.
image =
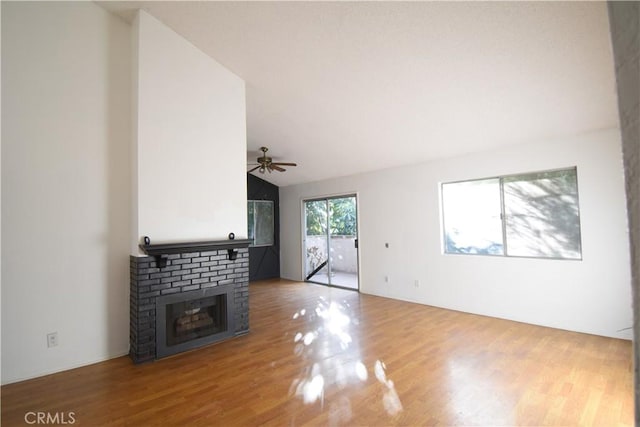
[348,87]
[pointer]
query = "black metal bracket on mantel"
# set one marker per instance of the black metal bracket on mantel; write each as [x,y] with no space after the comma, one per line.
[161,250]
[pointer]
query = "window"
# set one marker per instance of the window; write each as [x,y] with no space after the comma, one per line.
[527,215]
[260,219]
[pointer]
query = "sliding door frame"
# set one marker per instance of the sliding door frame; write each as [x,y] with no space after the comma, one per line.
[303,234]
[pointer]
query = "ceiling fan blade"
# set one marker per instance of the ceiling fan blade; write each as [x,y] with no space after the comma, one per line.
[276,167]
[284,164]
[253,169]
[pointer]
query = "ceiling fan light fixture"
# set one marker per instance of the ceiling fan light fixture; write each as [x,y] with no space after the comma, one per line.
[267,163]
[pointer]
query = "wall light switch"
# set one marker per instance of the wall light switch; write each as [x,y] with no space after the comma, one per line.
[52,339]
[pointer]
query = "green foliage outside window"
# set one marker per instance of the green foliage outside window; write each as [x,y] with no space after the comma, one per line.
[342,218]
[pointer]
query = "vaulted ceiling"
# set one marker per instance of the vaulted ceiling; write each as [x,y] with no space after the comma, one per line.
[349,87]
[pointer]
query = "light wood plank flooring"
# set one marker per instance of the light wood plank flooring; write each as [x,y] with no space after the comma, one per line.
[325,356]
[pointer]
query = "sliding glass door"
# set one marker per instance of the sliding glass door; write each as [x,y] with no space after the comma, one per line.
[331,241]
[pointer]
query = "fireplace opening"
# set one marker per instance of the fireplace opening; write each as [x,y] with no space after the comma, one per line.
[190,320]
[193,319]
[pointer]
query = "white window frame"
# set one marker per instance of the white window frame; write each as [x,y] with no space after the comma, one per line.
[503,218]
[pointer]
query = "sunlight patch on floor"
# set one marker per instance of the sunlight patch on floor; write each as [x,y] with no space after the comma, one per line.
[333,361]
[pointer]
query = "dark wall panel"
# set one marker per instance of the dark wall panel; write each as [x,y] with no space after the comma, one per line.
[264,261]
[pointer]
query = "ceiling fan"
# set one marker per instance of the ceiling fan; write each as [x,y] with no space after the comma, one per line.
[267,164]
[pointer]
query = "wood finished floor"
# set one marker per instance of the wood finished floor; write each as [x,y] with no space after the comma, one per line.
[326,356]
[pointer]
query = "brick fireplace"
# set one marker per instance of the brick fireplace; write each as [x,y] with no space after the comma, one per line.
[214,271]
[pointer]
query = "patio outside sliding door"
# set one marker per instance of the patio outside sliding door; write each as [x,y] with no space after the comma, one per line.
[331,240]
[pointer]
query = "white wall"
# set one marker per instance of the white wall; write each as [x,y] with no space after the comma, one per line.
[401,206]
[65,186]
[191,141]
[78,86]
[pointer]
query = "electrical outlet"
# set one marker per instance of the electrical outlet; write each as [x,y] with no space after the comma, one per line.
[52,339]
[416,283]
[386,279]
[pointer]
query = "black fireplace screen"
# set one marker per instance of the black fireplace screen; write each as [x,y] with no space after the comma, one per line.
[190,320]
